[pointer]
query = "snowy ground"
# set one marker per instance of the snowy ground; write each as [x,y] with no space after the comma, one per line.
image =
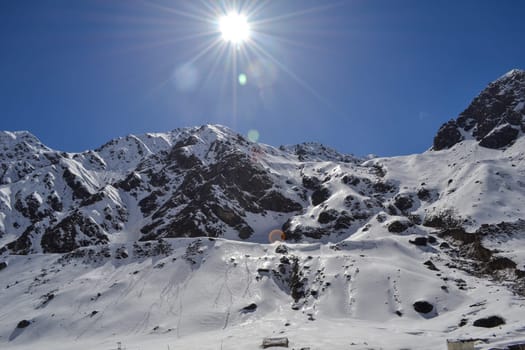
[192,299]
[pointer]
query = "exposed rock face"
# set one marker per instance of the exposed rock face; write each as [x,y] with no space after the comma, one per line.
[221,192]
[447,136]
[203,181]
[495,118]
[72,232]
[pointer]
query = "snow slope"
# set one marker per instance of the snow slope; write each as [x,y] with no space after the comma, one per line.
[358,282]
[161,240]
[193,296]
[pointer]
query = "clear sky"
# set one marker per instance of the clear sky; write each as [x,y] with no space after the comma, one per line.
[363,76]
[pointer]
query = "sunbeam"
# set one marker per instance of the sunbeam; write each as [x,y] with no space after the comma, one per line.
[297,14]
[291,74]
[223,39]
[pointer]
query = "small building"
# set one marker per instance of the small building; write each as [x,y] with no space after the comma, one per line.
[461,344]
[277,342]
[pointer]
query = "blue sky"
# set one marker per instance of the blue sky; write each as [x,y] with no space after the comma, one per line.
[363,76]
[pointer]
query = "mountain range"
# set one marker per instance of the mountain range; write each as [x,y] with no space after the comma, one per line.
[163,238]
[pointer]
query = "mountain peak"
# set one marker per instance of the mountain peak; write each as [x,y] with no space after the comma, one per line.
[13,137]
[495,118]
[513,74]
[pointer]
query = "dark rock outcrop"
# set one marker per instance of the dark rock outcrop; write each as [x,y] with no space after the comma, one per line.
[494,118]
[403,201]
[320,195]
[398,226]
[501,137]
[447,136]
[500,263]
[72,232]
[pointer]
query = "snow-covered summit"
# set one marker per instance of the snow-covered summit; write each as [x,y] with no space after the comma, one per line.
[513,74]
[495,118]
[314,151]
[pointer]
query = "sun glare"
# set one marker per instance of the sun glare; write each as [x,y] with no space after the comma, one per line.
[234,28]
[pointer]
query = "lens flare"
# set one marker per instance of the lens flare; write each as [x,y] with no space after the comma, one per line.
[253,135]
[263,73]
[276,236]
[243,79]
[186,77]
[234,28]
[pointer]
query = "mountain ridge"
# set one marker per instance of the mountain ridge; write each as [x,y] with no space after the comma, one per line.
[209,180]
[163,238]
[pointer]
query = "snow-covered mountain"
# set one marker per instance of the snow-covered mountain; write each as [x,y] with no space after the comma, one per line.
[162,239]
[494,118]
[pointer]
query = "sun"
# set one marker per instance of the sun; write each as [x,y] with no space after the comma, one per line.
[234,28]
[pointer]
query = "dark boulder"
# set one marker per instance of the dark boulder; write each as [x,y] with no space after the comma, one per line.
[327,216]
[403,202]
[250,308]
[23,324]
[430,265]
[444,245]
[489,322]
[311,183]
[423,307]
[423,194]
[419,241]
[281,249]
[398,226]
[351,180]
[3,265]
